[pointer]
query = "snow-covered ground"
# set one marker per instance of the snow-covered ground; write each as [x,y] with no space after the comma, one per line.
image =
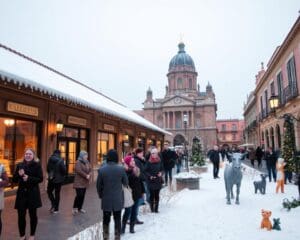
[204,214]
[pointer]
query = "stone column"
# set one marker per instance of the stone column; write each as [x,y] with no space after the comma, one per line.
[164,118]
[174,126]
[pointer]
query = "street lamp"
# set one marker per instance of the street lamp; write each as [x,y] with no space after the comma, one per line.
[289,129]
[185,121]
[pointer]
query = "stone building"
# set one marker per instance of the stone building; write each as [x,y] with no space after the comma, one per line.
[230,132]
[250,114]
[183,98]
[280,79]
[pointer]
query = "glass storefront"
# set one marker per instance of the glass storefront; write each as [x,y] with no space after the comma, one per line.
[15,136]
[105,141]
[70,142]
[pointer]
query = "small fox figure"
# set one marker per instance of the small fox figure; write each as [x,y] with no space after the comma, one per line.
[265,222]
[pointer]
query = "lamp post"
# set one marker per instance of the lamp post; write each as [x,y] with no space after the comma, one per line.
[289,144]
[185,121]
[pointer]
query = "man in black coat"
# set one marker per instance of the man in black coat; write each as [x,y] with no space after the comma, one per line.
[168,158]
[214,157]
[111,178]
[56,174]
[271,159]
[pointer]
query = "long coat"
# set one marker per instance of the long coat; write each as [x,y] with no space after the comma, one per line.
[57,168]
[82,169]
[136,185]
[111,177]
[28,193]
[151,170]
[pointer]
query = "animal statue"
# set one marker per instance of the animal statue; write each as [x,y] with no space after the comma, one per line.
[265,222]
[233,176]
[261,185]
[276,224]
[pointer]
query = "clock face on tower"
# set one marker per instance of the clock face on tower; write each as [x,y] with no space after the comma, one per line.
[177,100]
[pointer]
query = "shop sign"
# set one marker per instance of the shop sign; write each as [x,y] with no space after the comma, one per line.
[143,134]
[109,127]
[22,109]
[77,120]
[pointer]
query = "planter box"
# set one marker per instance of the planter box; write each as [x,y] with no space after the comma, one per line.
[190,183]
[199,169]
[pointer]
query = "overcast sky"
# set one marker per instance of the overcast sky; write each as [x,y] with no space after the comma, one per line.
[121,47]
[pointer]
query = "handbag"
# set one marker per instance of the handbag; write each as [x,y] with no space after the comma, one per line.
[128,201]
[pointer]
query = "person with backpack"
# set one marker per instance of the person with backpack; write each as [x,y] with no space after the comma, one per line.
[56,174]
[168,158]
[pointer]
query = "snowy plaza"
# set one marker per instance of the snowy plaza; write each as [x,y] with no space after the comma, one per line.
[204,214]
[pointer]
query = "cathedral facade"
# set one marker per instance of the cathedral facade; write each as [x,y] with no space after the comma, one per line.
[184,111]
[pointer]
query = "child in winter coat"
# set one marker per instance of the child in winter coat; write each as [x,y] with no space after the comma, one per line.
[280,175]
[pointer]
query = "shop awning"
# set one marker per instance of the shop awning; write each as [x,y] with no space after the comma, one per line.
[23,71]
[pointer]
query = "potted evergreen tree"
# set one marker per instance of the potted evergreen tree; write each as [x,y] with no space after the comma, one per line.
[197,157]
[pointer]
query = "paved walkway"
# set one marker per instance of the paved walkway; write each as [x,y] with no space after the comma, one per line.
[59,226]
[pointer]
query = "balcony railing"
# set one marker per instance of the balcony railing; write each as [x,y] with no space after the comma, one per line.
[289,92]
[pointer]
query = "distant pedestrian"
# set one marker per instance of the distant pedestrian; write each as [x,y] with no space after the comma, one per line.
[137,187]
[56,170]
[140,162]
[168,158]
[153,172]
[179,160]
[81,180]
[251,155]
[28,175]
[3,184]
[111,178]
[214,157]
[259,154]
[271,160]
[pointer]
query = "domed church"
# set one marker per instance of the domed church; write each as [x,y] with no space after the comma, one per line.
[184,111]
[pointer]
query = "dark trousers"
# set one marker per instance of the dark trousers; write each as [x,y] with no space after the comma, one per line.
[117,219]
[252,162]
[132,212]
[54,198]
[22,221]
[288,175]
[154,200]
[79,199]
[168,172]
[259,162]
[271,171]
[216,169]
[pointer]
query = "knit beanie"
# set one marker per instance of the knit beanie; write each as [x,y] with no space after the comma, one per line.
[127,160]
[112,156]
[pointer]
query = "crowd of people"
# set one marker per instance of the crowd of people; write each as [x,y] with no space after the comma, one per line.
[144,173]
[275,164]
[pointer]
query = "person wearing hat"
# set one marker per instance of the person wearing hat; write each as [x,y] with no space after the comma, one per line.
[81,181]
[56,170]
[137,187]
[111,178]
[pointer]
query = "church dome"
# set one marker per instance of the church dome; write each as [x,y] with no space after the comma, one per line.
[181,60]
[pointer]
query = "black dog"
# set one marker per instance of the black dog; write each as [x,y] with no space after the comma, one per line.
[261,185]
[276,224]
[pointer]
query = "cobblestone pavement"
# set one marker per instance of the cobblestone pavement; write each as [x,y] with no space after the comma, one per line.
[59,226]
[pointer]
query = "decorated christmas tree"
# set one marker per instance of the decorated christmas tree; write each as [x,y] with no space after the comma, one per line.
[197,157]
[289,145]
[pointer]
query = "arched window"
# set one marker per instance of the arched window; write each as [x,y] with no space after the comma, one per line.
[278,135]
[272,138]
[179,83]
[190,83]
[267,139]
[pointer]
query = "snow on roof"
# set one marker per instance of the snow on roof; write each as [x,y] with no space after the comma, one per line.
[23,71]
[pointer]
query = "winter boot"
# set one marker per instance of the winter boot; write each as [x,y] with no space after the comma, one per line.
[117,234]
[152,206]
[123,228]
[156,208]
[105,232]
[131,230]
